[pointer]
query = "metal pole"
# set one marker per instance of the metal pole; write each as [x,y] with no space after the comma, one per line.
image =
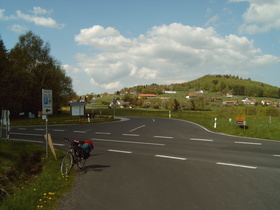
[47,138]
[1,123]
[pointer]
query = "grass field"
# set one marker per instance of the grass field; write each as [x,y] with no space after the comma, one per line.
[263,127]
[27,179]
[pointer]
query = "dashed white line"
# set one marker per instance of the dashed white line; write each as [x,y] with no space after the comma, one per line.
[164,137]
[170,157]
[106,133]
[26,134]
[194,139]
[127,142]
[119,151]
[129,134]
[236,165]
[250,143]
[57,130]
[79,131]
[276,155]
[39,142]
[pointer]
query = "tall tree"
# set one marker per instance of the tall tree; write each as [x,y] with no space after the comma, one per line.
[4,69]
[35,69]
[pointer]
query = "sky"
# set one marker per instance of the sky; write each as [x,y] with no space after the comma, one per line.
[107,45]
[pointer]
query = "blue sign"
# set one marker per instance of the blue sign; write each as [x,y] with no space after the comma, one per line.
[46,101]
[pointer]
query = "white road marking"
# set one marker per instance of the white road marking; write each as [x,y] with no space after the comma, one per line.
[128,142]
[251,143]
[170,157]
[79,131]
[137,128]
[194,139]
[57,130]
[125,134]
[26,134]
[119,151]
[276,155]
[102,133]
[40,142]
[39,129]
[236,165]
[164,137]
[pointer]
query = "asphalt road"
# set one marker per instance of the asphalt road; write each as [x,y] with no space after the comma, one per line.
[153,163]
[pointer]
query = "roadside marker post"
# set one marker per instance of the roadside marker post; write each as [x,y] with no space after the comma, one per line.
[47,109]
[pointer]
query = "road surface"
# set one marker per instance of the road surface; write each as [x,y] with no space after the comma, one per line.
[154,163]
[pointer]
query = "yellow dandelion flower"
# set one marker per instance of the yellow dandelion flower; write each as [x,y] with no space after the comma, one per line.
[40,200]
[45,194]
[34,189]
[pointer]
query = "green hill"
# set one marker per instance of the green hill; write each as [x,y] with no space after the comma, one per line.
[215,83]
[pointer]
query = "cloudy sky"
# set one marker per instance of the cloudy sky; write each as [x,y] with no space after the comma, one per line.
[106,45]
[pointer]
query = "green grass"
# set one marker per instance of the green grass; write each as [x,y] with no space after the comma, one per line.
[27,179]
[263,127]
[59,119]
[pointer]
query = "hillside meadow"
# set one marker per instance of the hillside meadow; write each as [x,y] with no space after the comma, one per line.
[261,121]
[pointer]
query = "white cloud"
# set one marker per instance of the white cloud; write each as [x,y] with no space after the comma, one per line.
[102,39]
[70,69]
[261,16]
[40,11]
[41,21]
[18,28]
[165,54]
[212,21]
[3,17]
[37,20]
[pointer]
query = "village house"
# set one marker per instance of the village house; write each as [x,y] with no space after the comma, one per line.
[169,91]
[147,96]
[230,102]
[117,103]
[191,96]
[276,104]
[249,101]
[266,102]
[229,95]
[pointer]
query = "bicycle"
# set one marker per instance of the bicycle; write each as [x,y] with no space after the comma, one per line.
[75,155]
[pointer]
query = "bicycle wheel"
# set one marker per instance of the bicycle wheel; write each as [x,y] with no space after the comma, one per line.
[66,164]
[81,163]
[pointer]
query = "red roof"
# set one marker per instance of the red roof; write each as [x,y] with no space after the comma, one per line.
[146,95]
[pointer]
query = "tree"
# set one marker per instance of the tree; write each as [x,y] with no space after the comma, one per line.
[35,69]
[4,76]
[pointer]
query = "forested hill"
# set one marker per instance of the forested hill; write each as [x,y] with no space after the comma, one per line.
[215,83]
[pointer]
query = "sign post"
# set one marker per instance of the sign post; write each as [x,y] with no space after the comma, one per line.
[47,109]
[240,120]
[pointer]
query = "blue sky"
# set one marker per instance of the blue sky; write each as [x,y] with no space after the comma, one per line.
[106,45]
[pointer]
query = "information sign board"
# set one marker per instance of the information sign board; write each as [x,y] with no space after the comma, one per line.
[240,118]
[47,106]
